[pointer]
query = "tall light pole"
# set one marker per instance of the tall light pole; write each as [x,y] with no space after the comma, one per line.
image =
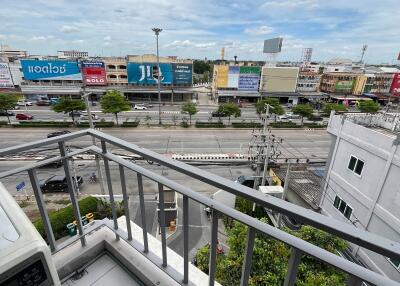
[157,32]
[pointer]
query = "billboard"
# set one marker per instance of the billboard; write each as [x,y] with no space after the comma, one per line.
[182,74]
[50,70]
[222,75]
[233,77]
[249,78]
[94,73]
[147,73]
[5,76]
[273,45]
[279,79]
[344,85]
[395,87]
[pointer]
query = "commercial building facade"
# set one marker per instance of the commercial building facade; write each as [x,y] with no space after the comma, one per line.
[361,183]
[308,81]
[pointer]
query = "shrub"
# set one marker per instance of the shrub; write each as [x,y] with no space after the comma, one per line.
[96,124]
[246,125]
[130,124]
[314,125]
[284,125]
[209,124]
[56,124]
[59,219]
[184,124]
[2,123]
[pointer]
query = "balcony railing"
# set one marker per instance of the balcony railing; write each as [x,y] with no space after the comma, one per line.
[299,247]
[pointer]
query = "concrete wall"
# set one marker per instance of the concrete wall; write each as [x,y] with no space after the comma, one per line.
[375,194]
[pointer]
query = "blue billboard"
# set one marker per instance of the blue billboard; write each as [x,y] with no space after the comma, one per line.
[147,73]
[248,81]
[182,74]
[50,70]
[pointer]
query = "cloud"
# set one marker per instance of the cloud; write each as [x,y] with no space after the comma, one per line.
[107,38]
[42,38]
[187,43]
[69,29]
[262,30]
[290,4]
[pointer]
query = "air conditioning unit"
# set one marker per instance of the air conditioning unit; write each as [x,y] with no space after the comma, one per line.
[276,191]
[25,258]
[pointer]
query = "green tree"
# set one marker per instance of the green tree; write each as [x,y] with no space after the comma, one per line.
[201,67]
[270,259]
[7,102]
[368,106]
[274,102]
[67,105]
[114,102]
[231,109]
[304,110]
[333,106]
[189,108]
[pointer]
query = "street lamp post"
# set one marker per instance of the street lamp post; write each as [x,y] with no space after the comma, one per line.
[157,32]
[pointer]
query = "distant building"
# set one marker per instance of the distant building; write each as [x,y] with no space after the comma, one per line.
[72,54]
[8,54]
[308,81]
[338,82]
[116,70]
[362,181]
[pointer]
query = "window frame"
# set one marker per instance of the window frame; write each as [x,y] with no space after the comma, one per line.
[347,206]
[397,267]
[355,165]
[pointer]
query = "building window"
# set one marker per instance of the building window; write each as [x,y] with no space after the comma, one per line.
[356,165]
[395,263]
[343,207]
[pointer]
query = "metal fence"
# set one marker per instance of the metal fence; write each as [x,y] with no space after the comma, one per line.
[299,247]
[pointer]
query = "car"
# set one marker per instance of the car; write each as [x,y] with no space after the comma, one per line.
[54,100]
[140,107]
[57,183]
[76,113]
[218,114]
[43,102]
[148,105]
[23,116]
[85,116]
[6,113]
[291,115]
[58,133]
[247,181]
[283,118]
[24,103]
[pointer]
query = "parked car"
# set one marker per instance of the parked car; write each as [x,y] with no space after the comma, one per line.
[218,114]
[140,107]
[148,105]
[57,184]
[283,118]
[54,100]
[85,116]
[6,113]
[53,165]
[76,113]
[43,102]
[58,133]
[291,115]
[24,102]
[23,116]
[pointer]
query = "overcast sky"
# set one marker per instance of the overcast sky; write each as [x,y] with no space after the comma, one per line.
[198,29]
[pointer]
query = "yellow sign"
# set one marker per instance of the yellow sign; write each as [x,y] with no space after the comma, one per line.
[222,75]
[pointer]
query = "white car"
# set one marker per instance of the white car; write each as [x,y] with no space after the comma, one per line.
[140,107]
[86,117]
[283,118]
[24,102]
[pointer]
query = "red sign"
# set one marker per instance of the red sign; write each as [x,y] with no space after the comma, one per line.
[395,87]
[94,73]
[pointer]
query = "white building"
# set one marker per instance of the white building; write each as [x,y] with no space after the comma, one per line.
[16,73]
[72,54]
[362,180]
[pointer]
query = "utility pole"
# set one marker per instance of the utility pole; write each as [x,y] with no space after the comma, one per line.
[285,188]
[91,125]
[157,32]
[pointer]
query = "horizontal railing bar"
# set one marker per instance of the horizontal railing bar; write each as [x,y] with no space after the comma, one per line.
[360,237]
[42,163]
[306,247]
[43,142]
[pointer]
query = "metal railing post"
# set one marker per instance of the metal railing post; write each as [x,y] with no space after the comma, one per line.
[162,224]
[109,186]
[185,239]
[126,201]
[246,268]
[213,247]
[71,190]
[293,267]
[142,212]
[42,209]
